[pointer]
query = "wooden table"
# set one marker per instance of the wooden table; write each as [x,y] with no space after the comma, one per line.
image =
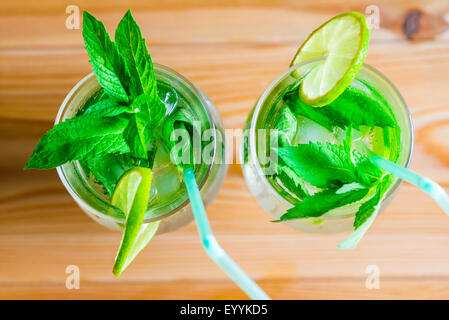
[232,50]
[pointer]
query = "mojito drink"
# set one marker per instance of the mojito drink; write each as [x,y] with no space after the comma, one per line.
[308,139]
[125,133]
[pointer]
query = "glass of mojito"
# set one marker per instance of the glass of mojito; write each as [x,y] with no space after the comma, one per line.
[305,149]
[124,135]
[92,182]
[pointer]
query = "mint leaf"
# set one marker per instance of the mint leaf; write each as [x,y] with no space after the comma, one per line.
[108,65]
[322,202]
[329,165]
[79,138]
[324,116]
[285,127]
[322,165]
[142,124]
[134,136]
[154,115]
[109,107]
[366,171]
[109,168]
[362,105]
[98,96]
[369,207]
[366,214]
[291,181]
[347,142]
[358,105]
[350,187]
[132,47]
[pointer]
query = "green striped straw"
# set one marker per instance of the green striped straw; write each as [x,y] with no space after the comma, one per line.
[211,245]
[424,183]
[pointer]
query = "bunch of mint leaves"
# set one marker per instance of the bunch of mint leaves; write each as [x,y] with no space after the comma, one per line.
[341,174]
[122,125]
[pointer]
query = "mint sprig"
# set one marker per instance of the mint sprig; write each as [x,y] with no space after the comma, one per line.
[367,209]
[121,126]
[109,168]
[291,181]
[135,137]
[367,213]
[333,168]
[108,65]
[322,202]
[109,107]
[322,165]
[82,137]
[122,117]
[358,105]
[133,49]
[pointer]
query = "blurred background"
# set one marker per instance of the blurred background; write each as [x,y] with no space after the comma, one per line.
[232,50]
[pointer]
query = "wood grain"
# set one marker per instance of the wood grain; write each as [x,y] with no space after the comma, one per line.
[232,50]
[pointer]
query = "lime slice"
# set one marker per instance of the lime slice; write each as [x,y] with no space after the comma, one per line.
[131,196]
[342,42]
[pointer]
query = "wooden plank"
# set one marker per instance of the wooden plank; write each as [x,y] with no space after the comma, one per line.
[278,289]
[180,22]
[177,23]
[232,75]
[40,221]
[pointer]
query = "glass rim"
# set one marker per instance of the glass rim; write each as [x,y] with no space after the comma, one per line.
[279,79]
[204,103]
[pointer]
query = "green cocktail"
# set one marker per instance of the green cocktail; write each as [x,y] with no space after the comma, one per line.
[304,156]
[168,200]
[125,133]
[277,190]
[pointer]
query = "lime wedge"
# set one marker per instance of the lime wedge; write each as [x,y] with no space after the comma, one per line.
[131,195]
[342,42]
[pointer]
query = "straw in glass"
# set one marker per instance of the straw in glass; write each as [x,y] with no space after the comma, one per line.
[426,184]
